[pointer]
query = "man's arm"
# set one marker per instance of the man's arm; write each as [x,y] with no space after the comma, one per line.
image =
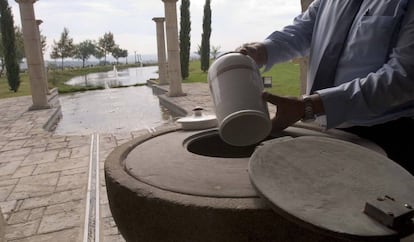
[281,46]
[388,90]
[294,40]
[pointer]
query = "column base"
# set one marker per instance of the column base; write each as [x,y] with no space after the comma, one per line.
[39,107]
[180,94]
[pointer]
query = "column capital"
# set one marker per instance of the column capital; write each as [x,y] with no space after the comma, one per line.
[169,0]
[158,19]
[26,1]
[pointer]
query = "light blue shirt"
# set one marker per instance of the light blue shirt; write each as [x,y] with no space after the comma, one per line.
[374,80]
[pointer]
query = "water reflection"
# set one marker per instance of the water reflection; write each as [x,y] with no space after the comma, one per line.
[114,78]
[114,110]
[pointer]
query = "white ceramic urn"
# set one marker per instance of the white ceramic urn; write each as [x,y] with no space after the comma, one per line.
[236,87]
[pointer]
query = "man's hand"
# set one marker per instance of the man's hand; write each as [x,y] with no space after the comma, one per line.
[289,110]
[256,50]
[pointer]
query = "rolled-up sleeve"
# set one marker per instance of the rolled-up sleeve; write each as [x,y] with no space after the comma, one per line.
[293,40]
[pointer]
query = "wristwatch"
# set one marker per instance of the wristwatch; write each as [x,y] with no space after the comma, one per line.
[309,115]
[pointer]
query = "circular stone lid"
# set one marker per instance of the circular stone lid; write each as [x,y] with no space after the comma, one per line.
[323,184]
[164,162]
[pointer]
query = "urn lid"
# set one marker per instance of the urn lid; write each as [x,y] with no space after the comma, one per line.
[198,120]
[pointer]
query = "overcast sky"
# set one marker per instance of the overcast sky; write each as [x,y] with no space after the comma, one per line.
[233,21]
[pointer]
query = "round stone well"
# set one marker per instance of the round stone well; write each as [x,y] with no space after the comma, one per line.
[176,185]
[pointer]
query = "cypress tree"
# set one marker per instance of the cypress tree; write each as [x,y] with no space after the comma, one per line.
[185,45]
[9,46]
[205,37]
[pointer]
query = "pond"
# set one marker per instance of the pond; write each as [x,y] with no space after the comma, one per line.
[111,110]
[114,78]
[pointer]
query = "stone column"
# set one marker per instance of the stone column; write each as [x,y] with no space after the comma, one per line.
[303,62]
[39,22]
[173,49]
[162,60]
[305,4]
[33,53]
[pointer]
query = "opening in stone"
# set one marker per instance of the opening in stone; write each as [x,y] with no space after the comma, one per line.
[210,144]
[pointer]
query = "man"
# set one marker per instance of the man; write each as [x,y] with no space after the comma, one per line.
[361,70]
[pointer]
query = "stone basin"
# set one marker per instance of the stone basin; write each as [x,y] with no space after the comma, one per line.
[176,185]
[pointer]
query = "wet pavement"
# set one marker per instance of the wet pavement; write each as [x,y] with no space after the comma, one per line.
[52,186]
[114,110]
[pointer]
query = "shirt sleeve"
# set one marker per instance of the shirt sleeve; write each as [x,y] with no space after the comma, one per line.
[389,89]
[294,40]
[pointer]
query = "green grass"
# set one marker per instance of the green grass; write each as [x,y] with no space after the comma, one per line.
[196,74]
[24,88]
[285,79]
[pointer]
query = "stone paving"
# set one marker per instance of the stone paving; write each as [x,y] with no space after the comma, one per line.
[44,177]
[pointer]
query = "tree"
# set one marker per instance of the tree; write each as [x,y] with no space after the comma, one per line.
[9,46]
[85,50]
[118,53]
[99,54]
[185,44]
[3,63]
[215,51]
[64,48]
[43,42]
[205,37]
[198,52]
[107,44]
[124,54]
[19,49]
[19,44]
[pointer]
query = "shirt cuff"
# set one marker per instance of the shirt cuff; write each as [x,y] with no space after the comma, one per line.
[321,121]
[335,109]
